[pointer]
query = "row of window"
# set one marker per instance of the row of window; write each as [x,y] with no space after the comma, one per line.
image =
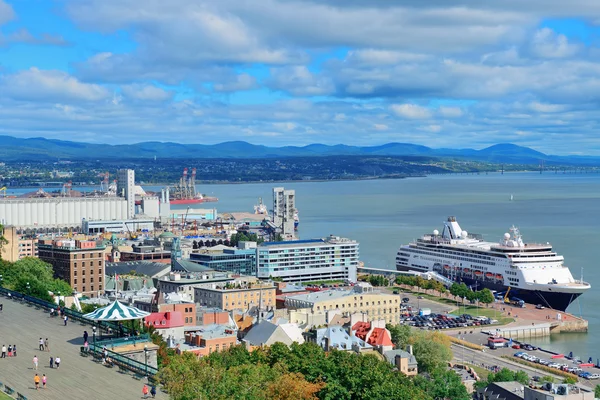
[83,272]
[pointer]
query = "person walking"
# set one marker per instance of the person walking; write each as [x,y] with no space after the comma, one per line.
[46,345]
[51,362]
[41,346]
[86,346]
[9,350]
[153,391]
[44,381]
[57,362]
[66,319]
[85,336]
[36,381]
[14,350]
[35,362]
[3,351]
[145,391]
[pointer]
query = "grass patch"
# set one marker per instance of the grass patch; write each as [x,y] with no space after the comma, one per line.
[481,372]
[465,343]
[4,396]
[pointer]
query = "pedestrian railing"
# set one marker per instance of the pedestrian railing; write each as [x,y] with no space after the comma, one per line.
[72,314]
[139,368]
[112,342]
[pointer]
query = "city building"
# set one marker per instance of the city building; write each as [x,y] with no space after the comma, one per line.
[126,189]
[373,332]
[168,324]
[241,260]
[360,299]
[39,214]
[18,245]
[284,208]
[333,258]
[92,227]
[338,338]
[184,285]
[518,391]
[236,295]
[210,338]
[79,262]
[404,361]
[266,333]
[187,311]
[212,316]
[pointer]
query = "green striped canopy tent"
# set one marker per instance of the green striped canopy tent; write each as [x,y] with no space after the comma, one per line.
[116,312]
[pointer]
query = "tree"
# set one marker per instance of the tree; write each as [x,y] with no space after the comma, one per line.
[431,349]
[400,335]
[485,296]
[443,384]
[293,386]
[569,380]
[3,240]
[597,391]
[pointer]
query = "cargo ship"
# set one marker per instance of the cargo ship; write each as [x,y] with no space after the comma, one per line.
[531,271]
[185,191]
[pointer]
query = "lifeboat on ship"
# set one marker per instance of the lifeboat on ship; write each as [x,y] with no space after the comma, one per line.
[489,275]
[499,277]
[446,266]
[478,273]
[467,270]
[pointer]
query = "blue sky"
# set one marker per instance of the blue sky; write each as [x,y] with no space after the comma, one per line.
[442,73]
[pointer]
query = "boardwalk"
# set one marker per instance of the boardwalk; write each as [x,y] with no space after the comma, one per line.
[78,377]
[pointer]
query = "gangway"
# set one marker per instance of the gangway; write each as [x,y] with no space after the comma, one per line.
[440,278]
[425,275]
[77,303]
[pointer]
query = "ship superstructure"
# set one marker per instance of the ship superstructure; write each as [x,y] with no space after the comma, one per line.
[185,191]
[532,271]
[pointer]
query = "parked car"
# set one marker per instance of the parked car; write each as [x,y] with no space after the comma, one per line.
[540,307]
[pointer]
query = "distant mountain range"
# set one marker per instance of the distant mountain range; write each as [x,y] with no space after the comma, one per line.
[12,148]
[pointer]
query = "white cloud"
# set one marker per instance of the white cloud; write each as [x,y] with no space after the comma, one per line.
[411,111]
[431,128]
[381,127]
[546,108]
[43,85]
[299,81]
[24,36]
[547,44]
[450,112]
[146,92]
[239,83]
[6,12]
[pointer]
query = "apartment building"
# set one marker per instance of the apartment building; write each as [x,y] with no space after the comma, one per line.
[78,262]
[360,299]
[19,245]
[232,296]
[332,258]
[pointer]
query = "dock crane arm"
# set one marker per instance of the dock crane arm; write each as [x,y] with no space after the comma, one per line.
[506,299]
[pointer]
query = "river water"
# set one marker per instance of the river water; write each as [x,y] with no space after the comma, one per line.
[382,214]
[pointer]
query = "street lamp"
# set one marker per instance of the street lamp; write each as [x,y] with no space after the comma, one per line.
[94,336]
[1,278]
[28,288]
[146,359]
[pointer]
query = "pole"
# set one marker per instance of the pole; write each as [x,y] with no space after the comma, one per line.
[146,359]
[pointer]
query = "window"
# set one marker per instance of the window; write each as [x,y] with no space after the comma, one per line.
[83,280]
[83,263]
[83,289]
[75,281]
[92,279]
[75,273]
[83,256]
[100,271]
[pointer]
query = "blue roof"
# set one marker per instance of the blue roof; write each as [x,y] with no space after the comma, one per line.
[293,242]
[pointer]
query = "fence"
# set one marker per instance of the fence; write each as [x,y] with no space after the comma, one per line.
[11,392]
[141,369]
[72,314]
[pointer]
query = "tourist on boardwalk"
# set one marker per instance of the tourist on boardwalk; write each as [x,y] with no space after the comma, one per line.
[36,380]
[3,351]
[145,391]
[86,346]
[66,319]
[57,362]
[35,362]
[14,350]
[41,344]
[85,336]
[153,391]
[1,306]
[10,350]
[51,362]
[46,345]
[44,381]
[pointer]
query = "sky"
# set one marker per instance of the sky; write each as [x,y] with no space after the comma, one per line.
[441,73]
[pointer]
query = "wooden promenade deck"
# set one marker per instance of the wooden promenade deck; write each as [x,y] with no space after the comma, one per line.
[78,377]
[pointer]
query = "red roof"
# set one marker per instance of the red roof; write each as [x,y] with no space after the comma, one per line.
[380,337]
[361,329]
[170,319]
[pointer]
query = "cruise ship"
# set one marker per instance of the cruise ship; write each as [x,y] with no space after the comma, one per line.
[530,271]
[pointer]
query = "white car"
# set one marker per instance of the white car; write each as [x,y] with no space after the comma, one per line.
[593,376]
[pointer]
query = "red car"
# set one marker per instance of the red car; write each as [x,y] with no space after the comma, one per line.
[516,346]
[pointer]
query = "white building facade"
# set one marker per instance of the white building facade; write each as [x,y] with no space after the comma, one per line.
[333,258]
[126,189]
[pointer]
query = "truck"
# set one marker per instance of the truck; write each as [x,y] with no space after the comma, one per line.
[515,301]
[424,312]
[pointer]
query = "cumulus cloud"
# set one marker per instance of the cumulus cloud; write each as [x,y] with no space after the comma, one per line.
[411,111]
[146,92]
[239,83]
[6,12]
[24,36]
[450,112]
[298,80]
[548,44]
[42,85]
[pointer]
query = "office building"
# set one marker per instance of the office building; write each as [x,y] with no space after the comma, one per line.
[284,207]
[18,245]
[237,261]
[236,296]
[78,262]
[360,299]
[333,258]
[126,189]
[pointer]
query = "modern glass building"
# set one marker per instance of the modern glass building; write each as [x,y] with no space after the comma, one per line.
[236,261]
[332,258]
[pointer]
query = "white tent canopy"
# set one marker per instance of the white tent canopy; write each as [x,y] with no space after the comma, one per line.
[116,311]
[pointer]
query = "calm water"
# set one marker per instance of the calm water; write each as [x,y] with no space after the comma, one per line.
[382,214]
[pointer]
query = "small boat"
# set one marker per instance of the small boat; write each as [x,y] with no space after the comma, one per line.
[446,266]
[478,273]
[499,277]
[489,275]
[467,270]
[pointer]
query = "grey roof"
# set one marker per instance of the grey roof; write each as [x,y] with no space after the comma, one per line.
[260,333]
[340,339]
[503,391]
[189,266]
[333,294]
[390,356]
[147,268]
